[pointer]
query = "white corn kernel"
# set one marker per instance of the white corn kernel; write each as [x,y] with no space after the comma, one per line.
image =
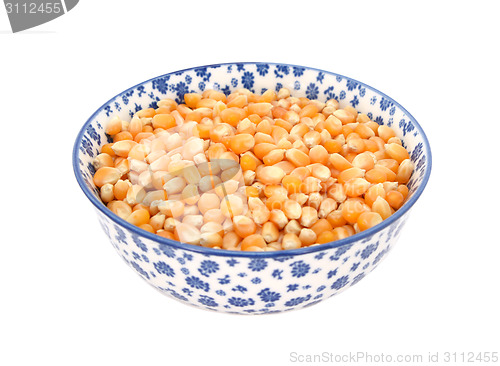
[135,194]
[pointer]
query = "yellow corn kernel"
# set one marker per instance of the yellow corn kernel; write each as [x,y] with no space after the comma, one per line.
[208,201]
[106,175]
[122,148]
[396,152]
[254,240]
[351,173]
[339,162]
[270,175]
[405,171]
[120,209]
[352,208]
[395,199]
[381,207]
[241,143]
[368,219]
[244,226]
[309,216]
[291,241]
[139,217]
[356,187]
[325,237]
[297,157]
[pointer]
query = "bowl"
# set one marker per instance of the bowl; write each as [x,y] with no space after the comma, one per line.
[252,282]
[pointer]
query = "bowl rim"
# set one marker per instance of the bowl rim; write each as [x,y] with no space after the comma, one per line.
[231,253]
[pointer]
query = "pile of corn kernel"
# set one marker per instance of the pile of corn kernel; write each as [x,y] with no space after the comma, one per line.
[252,172]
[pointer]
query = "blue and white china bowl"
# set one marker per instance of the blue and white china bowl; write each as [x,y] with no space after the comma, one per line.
[252,282]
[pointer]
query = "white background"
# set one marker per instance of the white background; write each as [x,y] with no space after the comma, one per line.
[68,299]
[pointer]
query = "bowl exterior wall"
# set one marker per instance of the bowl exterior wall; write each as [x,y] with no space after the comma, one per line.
[250,285]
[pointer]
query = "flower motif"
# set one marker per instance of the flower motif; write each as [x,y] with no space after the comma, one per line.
[139,243]
[120,235]
[203,73]
[247,80]
[161,84]
[175,294]
[281,70]
[355,101]
[292,287]
[139,269]
[320,288]
[340,251]
[358,278]
[380,256]
[300,269]
[240,302]
[298,71]
[232,262]
[167,250]
[417,151]
[257,265]
[332,273]
[87,146]
[207,301]
[226,90]
[298,300]
[320,77]
[319,255]
[208,267]
[181,88]
[240,288]
[268,296]
[262,69]
[369,250]
[164,268]
[385,103]
[108,110]
[277,274]
[195,282]
[225,280]
[351,85]
[312,91]
[340,282]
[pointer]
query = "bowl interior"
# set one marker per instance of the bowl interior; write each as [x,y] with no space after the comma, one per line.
[257,77]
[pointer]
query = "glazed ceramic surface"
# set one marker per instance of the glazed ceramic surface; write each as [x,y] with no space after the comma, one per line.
[252,282]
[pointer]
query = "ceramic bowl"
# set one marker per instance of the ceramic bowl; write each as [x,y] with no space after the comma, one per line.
[252,282]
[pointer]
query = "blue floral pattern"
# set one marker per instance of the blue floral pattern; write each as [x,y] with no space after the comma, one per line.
[255,283]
